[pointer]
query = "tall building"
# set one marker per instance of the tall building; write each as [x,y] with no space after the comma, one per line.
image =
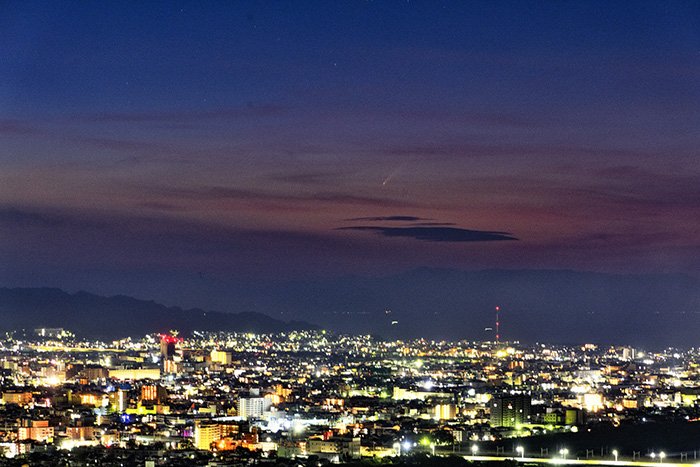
[445,412]
[510,411]
[207,433]
[153,393]
[167,347]
[221,356]
[251,407]
[119,400]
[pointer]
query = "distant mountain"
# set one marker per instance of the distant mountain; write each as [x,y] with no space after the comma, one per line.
[554,306]
[557,306]
[120,316]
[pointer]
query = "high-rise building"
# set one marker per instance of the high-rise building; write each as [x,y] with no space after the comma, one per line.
[167,347]
[510,411]
[153,393]
[207,433]
[445,412]
[221,356]
[251,407]
[119,400]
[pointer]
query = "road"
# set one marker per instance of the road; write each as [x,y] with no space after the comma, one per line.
[563,461]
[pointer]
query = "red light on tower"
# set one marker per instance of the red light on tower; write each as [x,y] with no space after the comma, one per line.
[168,343]
[498,324]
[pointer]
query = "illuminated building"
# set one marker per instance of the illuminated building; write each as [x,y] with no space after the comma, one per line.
[92,373]
[510,411]
[349,447]
[167,347]
[94,400]
[445,412]
[50,332]
[19,398]
[36,430]
[563,416]
[207,433]
[220,356]
[251,407]
[153,393]
[135,373]
[592,402]
[118,400]
[80,433]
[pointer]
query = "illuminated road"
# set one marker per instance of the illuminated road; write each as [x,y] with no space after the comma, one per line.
[55,348]
[561,461]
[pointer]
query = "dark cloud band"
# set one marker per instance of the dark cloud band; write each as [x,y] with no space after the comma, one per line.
[387,219]
[436,234]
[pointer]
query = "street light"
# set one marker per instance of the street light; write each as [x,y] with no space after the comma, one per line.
[563,453]
[475,449]
[615,453]
[520,450]
[661,456]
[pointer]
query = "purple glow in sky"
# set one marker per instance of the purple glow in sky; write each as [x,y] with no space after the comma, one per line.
[173,141]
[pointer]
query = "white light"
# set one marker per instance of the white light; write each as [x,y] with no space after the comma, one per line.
[406,446]
[475,449]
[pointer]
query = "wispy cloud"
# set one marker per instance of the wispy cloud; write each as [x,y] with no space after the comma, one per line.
[236,194]
[312,177]
[250,110]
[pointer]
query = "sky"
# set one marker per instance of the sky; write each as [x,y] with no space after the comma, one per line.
[153,146]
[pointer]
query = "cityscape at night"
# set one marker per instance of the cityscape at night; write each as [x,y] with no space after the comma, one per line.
[353,232]
[227,398]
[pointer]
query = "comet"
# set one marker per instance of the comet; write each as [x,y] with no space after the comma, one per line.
[391,175]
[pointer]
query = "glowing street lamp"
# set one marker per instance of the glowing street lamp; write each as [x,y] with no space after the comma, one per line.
[475,449]
[563,453]
[615,453]
[661,456]
[520,450]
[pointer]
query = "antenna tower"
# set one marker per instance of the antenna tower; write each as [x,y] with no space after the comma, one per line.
[498,325]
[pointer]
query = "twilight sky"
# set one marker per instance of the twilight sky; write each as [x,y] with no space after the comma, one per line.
[148,147]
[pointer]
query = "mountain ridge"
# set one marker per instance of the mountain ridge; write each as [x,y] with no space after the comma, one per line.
[538,305]
[116,316]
